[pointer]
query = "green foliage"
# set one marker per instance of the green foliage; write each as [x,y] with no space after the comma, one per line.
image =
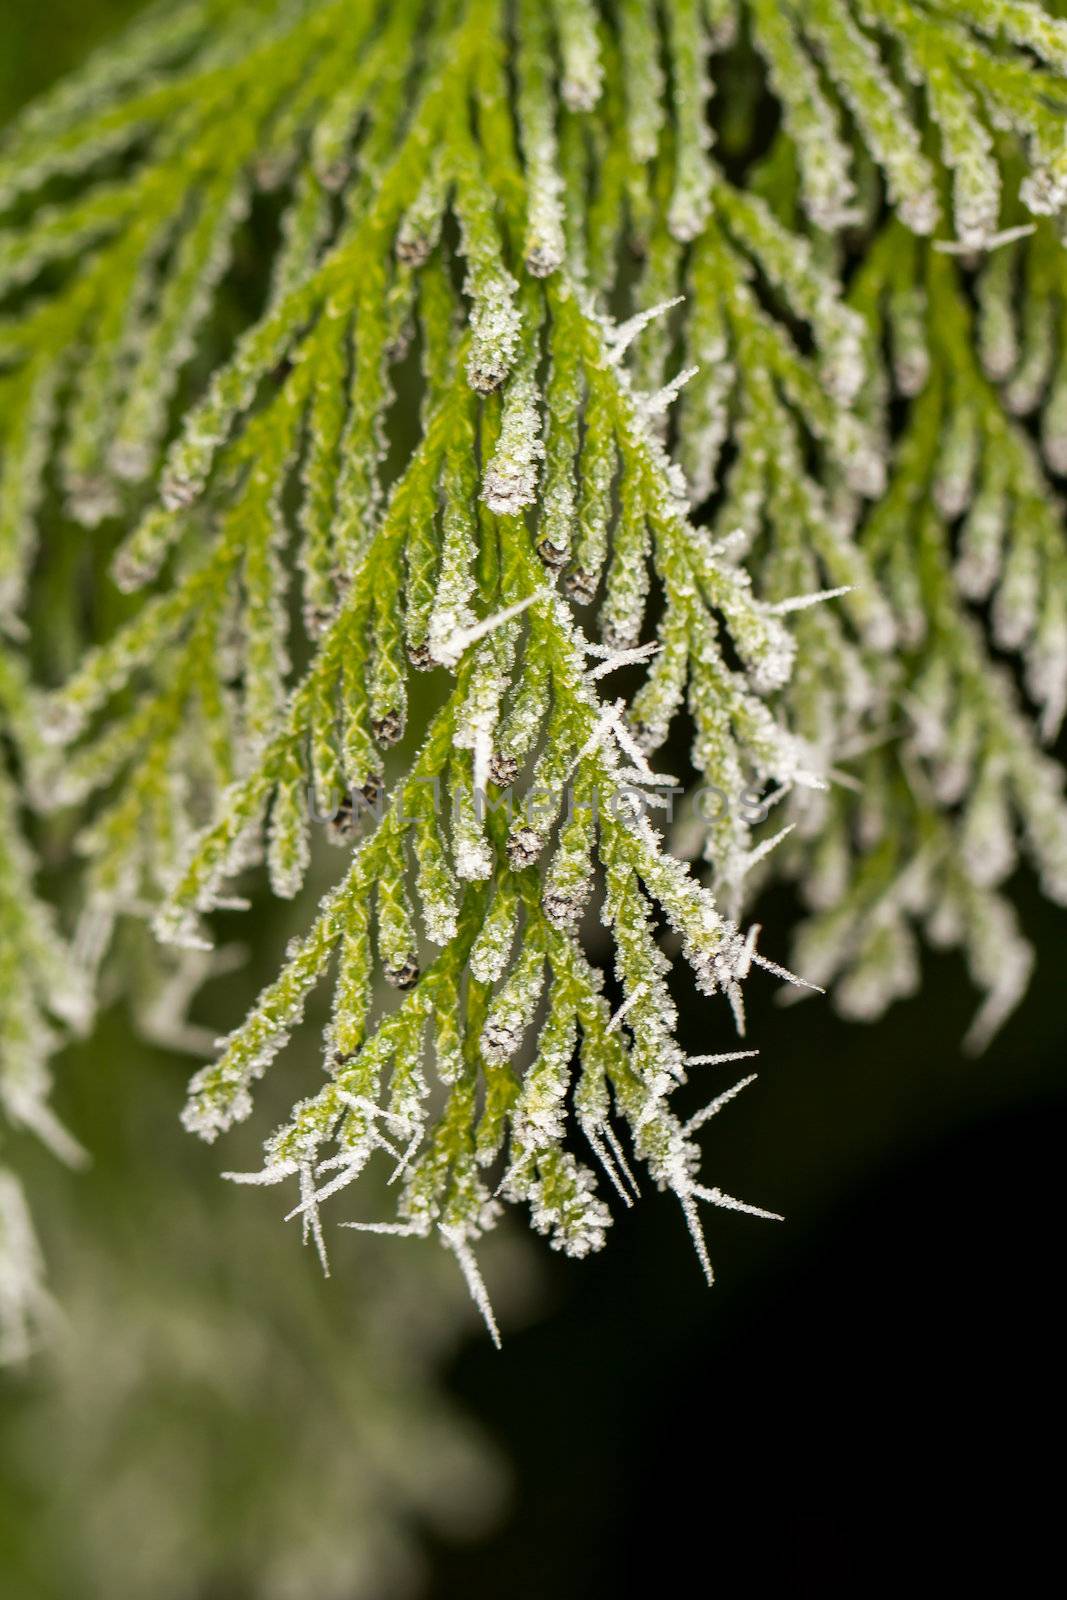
[531,230]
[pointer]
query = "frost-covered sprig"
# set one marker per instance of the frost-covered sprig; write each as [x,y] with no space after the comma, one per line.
[44,999]
[582,748]
[42,991]
[812,121]
[979,69]
[136,320]
[456,184]
[955,785]
[26,1308]
[377,1097]
[1022,334]
[737,740]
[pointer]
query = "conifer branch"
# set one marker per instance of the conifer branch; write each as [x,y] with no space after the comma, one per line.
[358,532]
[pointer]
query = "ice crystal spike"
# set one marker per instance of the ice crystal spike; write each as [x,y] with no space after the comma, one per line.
[540,401]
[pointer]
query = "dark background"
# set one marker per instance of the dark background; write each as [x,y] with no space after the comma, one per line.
[871,1393]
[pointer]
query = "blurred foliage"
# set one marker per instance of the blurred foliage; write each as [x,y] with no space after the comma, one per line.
[210,1416]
